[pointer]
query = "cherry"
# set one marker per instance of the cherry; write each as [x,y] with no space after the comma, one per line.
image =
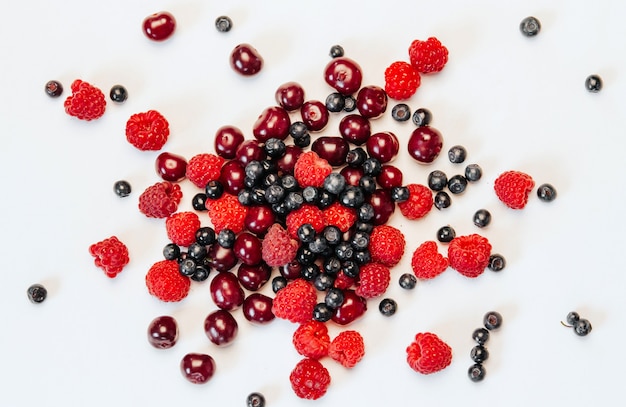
[315,115]
[159,26]
[258,308]
[198,368]
[227,141]
[292,270]
[371,101]
[389,177]
[246,60]
[290,96]
[332,149]
[425,144]
[344,75]
[287,162]
[383,146]
[383,206]
[226,292]
[259,218]
[220,327]
[352,175]
[353,307]
[355,129]
[247,248]
[221,258]
[273,122]
[163,332]
[253,277]
[250,150]
[171,167]
[232,177]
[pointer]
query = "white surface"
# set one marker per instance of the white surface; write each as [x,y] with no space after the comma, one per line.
[514,102]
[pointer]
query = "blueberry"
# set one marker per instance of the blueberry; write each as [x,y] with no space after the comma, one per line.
[336,51]
[298,130]
[334,298]
[326,199]
[344,251]
[372,166]
[360,240]
[496,262]
[310,271]
[366,212]
[365,227]
[400,194]
[323,281]
[582,327]
[334,183]
[255,400]
[303,141]
[244,197]
[37,293]
[408,281]
[362,257]
[322,312]
[546,192]
[205,235]
[401,112]
[473,172]
[482,218]
[311,195]
[118,94]
[530,26]
[254,171]
[197,251]
[332,234]
[437,180]
[122,188]
[318,244]
[476,372]
[289,182]
[457,184]
[334,102]
[278,283]
[274,194]
[572,318]
[422,117]
[54,89]
[223,24]
[331,265]
[171,251]
[350,267]
[226,238]
[275,147]
[479,354]
[445,234]
[349,103]
[492,320]
[356,157]
[187,267]
[352,197]
[214,189]
[442,200]
[200,274]
[198,202]
[457,154]
[294,201]
[367,183]
[306,233]
[480,335]
[387,307]
[593,83]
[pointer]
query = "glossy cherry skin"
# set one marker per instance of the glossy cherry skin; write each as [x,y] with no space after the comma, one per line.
[198,368]
[425,144]
[252,278]
[371,101]
[352,175]
[250,150]
[355,129]
[383,206]
[273,122]
[287,162]
[220,327]
[232,177]
[246,60]
[247,248]
[292,270]
[258,219]
[226,292]
[290,96]
[258,308]
[344,75]
[159,26]
[315,115]
[227,141]
[221,258]
[171,167]
[383,146]
[163,332]
[389,177]
[353,307]
[332,149]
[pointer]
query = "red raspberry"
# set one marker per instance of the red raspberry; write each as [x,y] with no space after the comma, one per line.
[401,80]
[165,282]
[513,188]
[469,255]
[311,170]
[427,262]
[311,339]
[86,101]
[278,248]
[203,168]
[295,302]
[338,215]
[347,348]
[160,200]
[305,214]
[309,379]
[428,56]
[428,353]
[181,228]
[420,202]
[111,255]
[226,212]
[374,279]
[343,282]
[386,245]
[147,131]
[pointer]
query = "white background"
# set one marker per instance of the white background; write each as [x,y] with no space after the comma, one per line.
[513,102]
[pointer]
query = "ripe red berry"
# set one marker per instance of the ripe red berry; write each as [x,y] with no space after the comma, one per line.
[420,202]
[86,101]
[165,282]
[427,262]
[338,215]
[428,56]
[348,348]
[401,80]
[387,245]
[311,170]
[311,339]
[147,131]
[226,212]
[295,302]
[469,255]
[111,255]
[181,228]
[374,279]
[160,200]
[428,353]
[305,214]
[513,188]
[278,248]
[309,379]
[203,168]
[159,26]
[246,60]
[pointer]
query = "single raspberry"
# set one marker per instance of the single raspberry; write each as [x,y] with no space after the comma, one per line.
[338,215]
[86,101]
[311,170]
[427,262]
[226,212]
[182,227]
[420,202]
[165,282]
[343,282]
[311,339]
[295,302]
[428,56]
[348,348]
[203,168]
[278,248]
[160,200]
[111,255]
[469,255]
[401,80]
[305,214]
[309,379]
[428,353]
[147,131]
[374,279]
[387,245]
[513,188]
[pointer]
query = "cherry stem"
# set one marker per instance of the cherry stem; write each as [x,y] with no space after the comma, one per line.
[564,324]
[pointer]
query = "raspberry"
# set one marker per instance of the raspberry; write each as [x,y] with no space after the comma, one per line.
[305,214]
[203,168]
[86,101]
[401,80]
[160,200]
[420,202]
[295,302]
[181,228]
[226,212]
[165,282]
[428,353]
[513,188]
[469,255]
[311,170]
[147,131]
[386,245]
[427,262]
[111,255]
[278,248]
[428,56]
[338,215]
[343,282]
[374,279]
[311,339]
[309,379]
[347,348]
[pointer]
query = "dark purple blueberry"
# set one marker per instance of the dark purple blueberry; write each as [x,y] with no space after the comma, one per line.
[368,184]
[356,157]
[401,112]
[336,51]
[400,194]
[226,238]
[198,202]
[214,189]
[305,256]
[480,335]
[437,180]
[332,265]
[278,283]
[349,103]
[334,183]
[352,197]
[118,94]
[442,200]
[457,184]
[445,234]
[188,266]
[422,117]
[476,372]
[482,218]
[582,327]
[362,257]
[197,251]
[344,251]
[332,234]
[593,83]
[322,312]
[255,400]
[546,192]
[479,354]
[350,267]
[335,102]
[323,282]
[387,307]
[473,172]
[492,320]
[223,24]
[334,298]
[572,318]
[310,272]
[171,251]
[274,194]
[318,244]
[54,88]
[303,141]
[496,262]
[372,166]
[530,26]
[311,195]
[275,148]
[294,201]
[457,154]
[407,281]
[360,240]
[200,274]
[37,293]
[298,130]
[122,188]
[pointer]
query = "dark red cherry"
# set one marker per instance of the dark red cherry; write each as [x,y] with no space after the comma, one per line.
[220,327]
[273,122]
[159,26]
[371,101]
[227,141]
[355,129]
[247,248]
[291,270]
[383,206]
[232,177]
[287,162]
[383,146]
[246,60]
[163,332]
[290,96]
[250,150]
[258,219]
[344,75]
[254,277]
[198,368]
[389,177]
[221,258]
[425,144]
[352,175]
[332,149]
[171,167]
[258,308]
[226,292]
[314,114]
[353,307]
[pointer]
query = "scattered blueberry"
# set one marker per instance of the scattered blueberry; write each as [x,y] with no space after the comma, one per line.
[278,283]
[223,24]
[546,192]
[445,234]
[481,335]
[214,189]
[322,312]
[476,372]
[593,83]
[122,188]
[334,298]
[401,112]
[255,400]
[457,154]
[205,235]
[473,172]
[118,94]
[171,251]
[437,180]
[199,202]
[492,320]
[496,262]
[479,354]
[349,103]
[457,184]
[582,327]
[387,307]
[422,117]
[336,51]
[530,26]
[482,218]
[400,194]
[37,293]
[226,238]
[408,281]
[442,200]
[54,89]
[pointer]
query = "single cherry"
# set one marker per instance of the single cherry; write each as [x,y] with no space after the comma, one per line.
[287,162]
[344,75]
[163,332]
[227,141]
[425,144]
[247,248]
[371,101]
[389,177]
[352,175]
[355,129]
[226,292]
[353,307]
[159,26]
[252,278]
[246,60]
[198,368]
[250,150]
[290,96]
[291,270]
[221,258]
[232,177]
[383,146]
[171,167]
[273,122]
[383,206]
[258,219]
[220,327]
[314,114]
[331,148]
[258,308]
